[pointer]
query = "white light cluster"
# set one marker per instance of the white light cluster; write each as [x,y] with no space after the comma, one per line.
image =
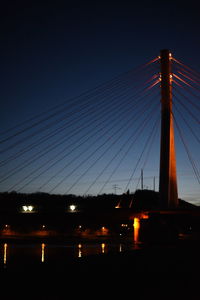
[28,208]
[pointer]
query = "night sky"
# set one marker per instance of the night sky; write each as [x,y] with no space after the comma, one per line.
[52,52]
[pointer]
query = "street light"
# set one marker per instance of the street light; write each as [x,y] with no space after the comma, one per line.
[72,207]
[28,208]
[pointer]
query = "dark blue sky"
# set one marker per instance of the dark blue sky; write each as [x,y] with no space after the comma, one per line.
[54,51]
[58,49]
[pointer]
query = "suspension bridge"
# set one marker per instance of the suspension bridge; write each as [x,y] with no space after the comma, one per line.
[107,135]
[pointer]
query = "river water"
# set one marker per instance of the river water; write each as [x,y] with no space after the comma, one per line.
[23,253]
[16,253]
[13,253]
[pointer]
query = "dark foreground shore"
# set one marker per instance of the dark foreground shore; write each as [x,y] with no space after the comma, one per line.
[156,271]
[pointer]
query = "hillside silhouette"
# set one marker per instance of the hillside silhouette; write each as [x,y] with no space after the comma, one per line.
[44,202]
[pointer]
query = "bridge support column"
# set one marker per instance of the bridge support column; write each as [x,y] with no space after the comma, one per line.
[168,179]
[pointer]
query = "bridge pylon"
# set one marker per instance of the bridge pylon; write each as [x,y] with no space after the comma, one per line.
[168,179]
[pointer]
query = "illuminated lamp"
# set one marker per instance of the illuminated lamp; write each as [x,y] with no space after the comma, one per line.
[25,208]
[72,207]
[30,207]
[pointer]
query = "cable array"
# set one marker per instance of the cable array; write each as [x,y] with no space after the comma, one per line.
[186,103]
[102,136]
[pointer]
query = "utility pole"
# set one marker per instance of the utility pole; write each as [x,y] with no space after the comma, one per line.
[142,186]
[168,181]
[154,183]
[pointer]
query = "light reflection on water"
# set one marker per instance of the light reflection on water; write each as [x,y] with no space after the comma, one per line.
[5,253]
[47,252]
[79,250]
[44,252]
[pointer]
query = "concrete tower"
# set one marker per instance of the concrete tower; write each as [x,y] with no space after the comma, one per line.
[168,179]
